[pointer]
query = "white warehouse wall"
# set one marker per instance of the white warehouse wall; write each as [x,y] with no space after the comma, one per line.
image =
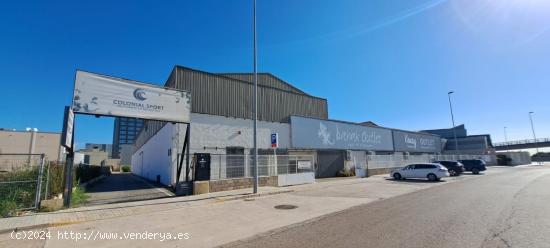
[152,158]
[209,134]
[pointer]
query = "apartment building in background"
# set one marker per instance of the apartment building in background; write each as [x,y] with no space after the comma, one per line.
[124,133]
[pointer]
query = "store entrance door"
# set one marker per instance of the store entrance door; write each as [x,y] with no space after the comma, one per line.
[329,163]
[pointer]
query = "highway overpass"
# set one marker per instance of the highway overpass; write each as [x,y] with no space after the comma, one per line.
[522,144]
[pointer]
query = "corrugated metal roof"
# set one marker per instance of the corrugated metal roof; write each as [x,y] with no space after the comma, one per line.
[230,94]
[266,79]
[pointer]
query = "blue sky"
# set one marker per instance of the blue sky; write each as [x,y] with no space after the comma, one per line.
[388,61]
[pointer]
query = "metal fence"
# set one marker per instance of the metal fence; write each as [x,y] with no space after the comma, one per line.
[242,166]
[394,161]
[21,180]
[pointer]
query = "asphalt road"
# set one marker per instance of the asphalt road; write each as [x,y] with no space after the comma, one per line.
[510,209]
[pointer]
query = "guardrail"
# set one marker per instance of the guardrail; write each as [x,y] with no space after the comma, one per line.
[522,142]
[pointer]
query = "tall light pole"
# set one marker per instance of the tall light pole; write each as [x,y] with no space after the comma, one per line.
[255,117]
[453,120]
[505,135]
[533,129]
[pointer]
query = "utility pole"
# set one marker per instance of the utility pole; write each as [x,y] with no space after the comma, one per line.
[255,117]
[533,129]
[505,135]
[453,121]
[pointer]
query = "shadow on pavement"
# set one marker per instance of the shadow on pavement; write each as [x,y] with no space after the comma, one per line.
[124,187]
[120,182]
[419,180]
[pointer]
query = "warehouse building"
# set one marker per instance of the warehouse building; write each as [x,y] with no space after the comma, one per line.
[467,144]
[221,124]
[31,141]
[221,106]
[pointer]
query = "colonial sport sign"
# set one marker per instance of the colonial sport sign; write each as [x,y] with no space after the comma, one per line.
[96,94]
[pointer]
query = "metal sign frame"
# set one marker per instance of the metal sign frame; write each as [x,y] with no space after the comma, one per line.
[68,185]
[129,81]
[68,126]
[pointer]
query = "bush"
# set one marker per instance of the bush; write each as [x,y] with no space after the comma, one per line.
[18,190]
[126,168]
[55,177]
[7,208]
[78,197]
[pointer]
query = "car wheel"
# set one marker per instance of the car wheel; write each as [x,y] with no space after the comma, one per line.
[453,173]
[475,171]
[396,176]
[432,177]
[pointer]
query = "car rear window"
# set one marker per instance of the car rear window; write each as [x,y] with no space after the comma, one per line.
[425,166]
[473,162]
[448,163]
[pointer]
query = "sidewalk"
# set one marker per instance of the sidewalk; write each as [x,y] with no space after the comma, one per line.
[107,211]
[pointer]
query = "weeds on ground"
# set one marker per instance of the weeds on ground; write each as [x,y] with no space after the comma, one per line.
[17,191]
[7,208]
[79,197]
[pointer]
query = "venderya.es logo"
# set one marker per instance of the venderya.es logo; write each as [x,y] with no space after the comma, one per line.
[139,94]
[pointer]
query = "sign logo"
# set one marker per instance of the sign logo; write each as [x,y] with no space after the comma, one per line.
[324,135]
[139,94]
[410,141]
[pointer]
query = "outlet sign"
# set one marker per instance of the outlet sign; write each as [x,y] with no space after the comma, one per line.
[416,142]
[313,133]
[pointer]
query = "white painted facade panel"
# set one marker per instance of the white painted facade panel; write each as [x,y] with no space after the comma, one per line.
[358,162]
[295,179]
[153,158]
[212,134]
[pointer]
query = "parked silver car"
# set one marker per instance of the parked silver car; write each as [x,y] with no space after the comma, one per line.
[431,171]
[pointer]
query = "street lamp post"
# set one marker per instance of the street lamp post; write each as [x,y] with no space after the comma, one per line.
[505,135]
[453,120]
[533,129]
[255,117]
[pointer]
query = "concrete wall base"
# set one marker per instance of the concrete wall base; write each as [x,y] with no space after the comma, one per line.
[241,183]
[295,179]
[51,205]
[201,187]
[380,171]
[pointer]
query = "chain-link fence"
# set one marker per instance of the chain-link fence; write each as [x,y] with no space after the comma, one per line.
[21,180]
[242,166]
[398,160]
[54,174]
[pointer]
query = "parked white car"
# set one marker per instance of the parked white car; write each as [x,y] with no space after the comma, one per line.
[431,171]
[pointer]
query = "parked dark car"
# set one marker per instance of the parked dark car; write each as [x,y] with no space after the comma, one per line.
[473,165]
[455,168]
